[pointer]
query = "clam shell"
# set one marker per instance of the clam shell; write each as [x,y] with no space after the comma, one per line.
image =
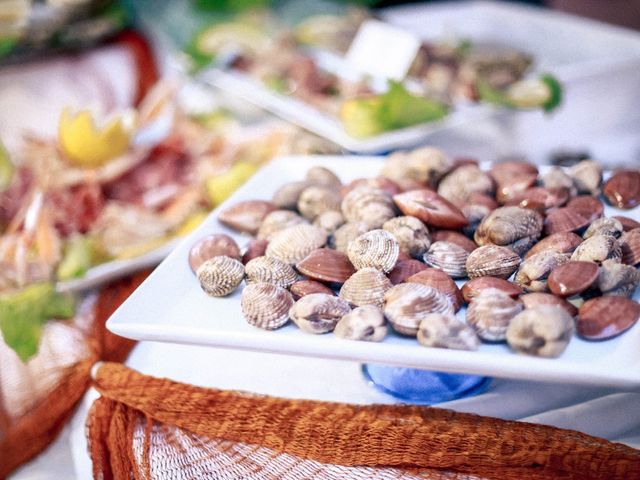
[405,269]
[431,208]
[381,183]
[434,278]
[213,245]
[454,237]
[513,227]
[362,323]
[544,331]
[618,279]
[318,312]
[347,233]
[533,300]
[270,270]
[604,226]
[490,314]
[587,206]
[512,178]
[366,287]
[265,305]
[255,248]
[277,221]
[627,223]
[220,276]
[316,200]
[533,272]
[463,182]
[407,304]
[286,197]
[246,216]
[475,286]
[326,265]
[630,245]
[558,178]
[440,330]
[563,220]
[292,244]
[376,249]
[323,176]
[426,165]
[329,221]
[371,206]
[448,257]
[587,177]
[562,242]
[410,233]
[303,288]
[539,199]
[476,208]
[598,249]
[492,261]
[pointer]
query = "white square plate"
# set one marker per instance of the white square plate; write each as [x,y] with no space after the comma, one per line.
[170,307]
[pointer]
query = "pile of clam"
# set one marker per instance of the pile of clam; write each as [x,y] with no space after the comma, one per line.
[540,259]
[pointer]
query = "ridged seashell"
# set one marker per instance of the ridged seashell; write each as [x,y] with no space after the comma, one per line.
[326,265]
[368,205]
[316,200]
[220,276]
[463,182]
[408,184]
[286,197]
[513,227]
[630,245]
[627,223]
[558,178]
[329,221]
[427,165]
[563,220]
[246,216]
[265,305]
[440,330]
[539,198]
[543,331]
[475,286]
[562,242]
[376,249]
[604,226]
[448,257]
[366,287]
[407,304]
[512,178]
[346,234]
[589,207]
[492,261]
[587,177]
[410,233]
[533,300]
[323,176]
[214,245]
[277,221]
[431,208]
[365,323]
[533,272]
[318,312]
[490,314]
[598,249]
[302,288]
[434,278]
[622,189]
[454,237]
[255,248]
[404,269]
[476,208]
[270,270]
[618,279]
[382,183]
[292,244]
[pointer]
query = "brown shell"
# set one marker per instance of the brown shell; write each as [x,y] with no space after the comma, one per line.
[628,224]
[558,178]
[270,270]
[598,249]
[213,245]
[329,221]
[630,246]
[255,248]
[323,176]
[490,314]
[448,257]
[587,206]
[463,182]
[407,304]
[618,279]
[346,234]
[492,261]
[265,305]
[544,331]
[533,300]
[220,276]
[372,206]
[410,233]
[246,216]
[562,242]
[376,249]
[475,286]
[454,237]
[533,272]
[426,165]
[434,278]
[587,177]
[604,226]
[440,330]
[431,208]
[381,183]
[302,288]
[277,221]
[318,312]
[326,265]
[622,190]
[512,178]
[539,198]
[316,200]
[476,208]
[292,244]
[362,323]
[404,269]
[513,227]
[563,220]
[286,197]
[366,287]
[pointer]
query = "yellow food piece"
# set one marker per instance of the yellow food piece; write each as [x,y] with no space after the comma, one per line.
[191,223]
[85,145]
[220,187]
[233,35]
[141,248]
[363,117]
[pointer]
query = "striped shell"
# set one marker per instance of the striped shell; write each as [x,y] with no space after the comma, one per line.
[563,242]
[372,206]
[463,182]
[598,249]
[587,177]
[211,246]
[277,221]
[448,257]
[219,276]
[376,249]
[490,314]
[407,304]
[294,243]
[323,176]
[265,305]
[411,234]
[513,227]
[362,323]
[329,221]
[441,330]
[286,197]
[604,226]
[316,200]
[426,165]
[618,279]
[533,272]
[347,233]
[492,261]
[270,270]
[246,216]
[366,287]
[630,246]
[544,331]
[318,312]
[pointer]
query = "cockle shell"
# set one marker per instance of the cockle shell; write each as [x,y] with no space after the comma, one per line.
[323,176]
[533,300]
[492,261]
[618,279]
[407,304]
[277,221]
[454,237]
[255,248]
[543,331]
[315,200]
[627,223]
[246,216]
[475,286]
[213,245]
[533,272]
[270,270]
[405,269]
[587,177]
[448,257]
[347,233]
[411,234]
[539,199]
[318,312]
[434,278]
[598,249]
[365,323]
[366,287]
[587,206]
[286,197]
[562,242]
[265,305]
[326,265]
[382,183]
[219,276]
[376,249]
[368,205]
[303,288]
[513,227]
[431,208]
[329,221]
[604,226]
[294,243]
[512,178]
[427,165]
[558,178]
[490,314]
[564,219]
[441,330]
[475,209]
[463,182]
[630,245]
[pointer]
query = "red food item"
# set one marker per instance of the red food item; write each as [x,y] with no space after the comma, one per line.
[75,209]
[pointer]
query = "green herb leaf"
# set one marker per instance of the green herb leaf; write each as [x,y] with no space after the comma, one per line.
[556,92]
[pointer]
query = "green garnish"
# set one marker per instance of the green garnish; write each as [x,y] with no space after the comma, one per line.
[78,257]
[545,92]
